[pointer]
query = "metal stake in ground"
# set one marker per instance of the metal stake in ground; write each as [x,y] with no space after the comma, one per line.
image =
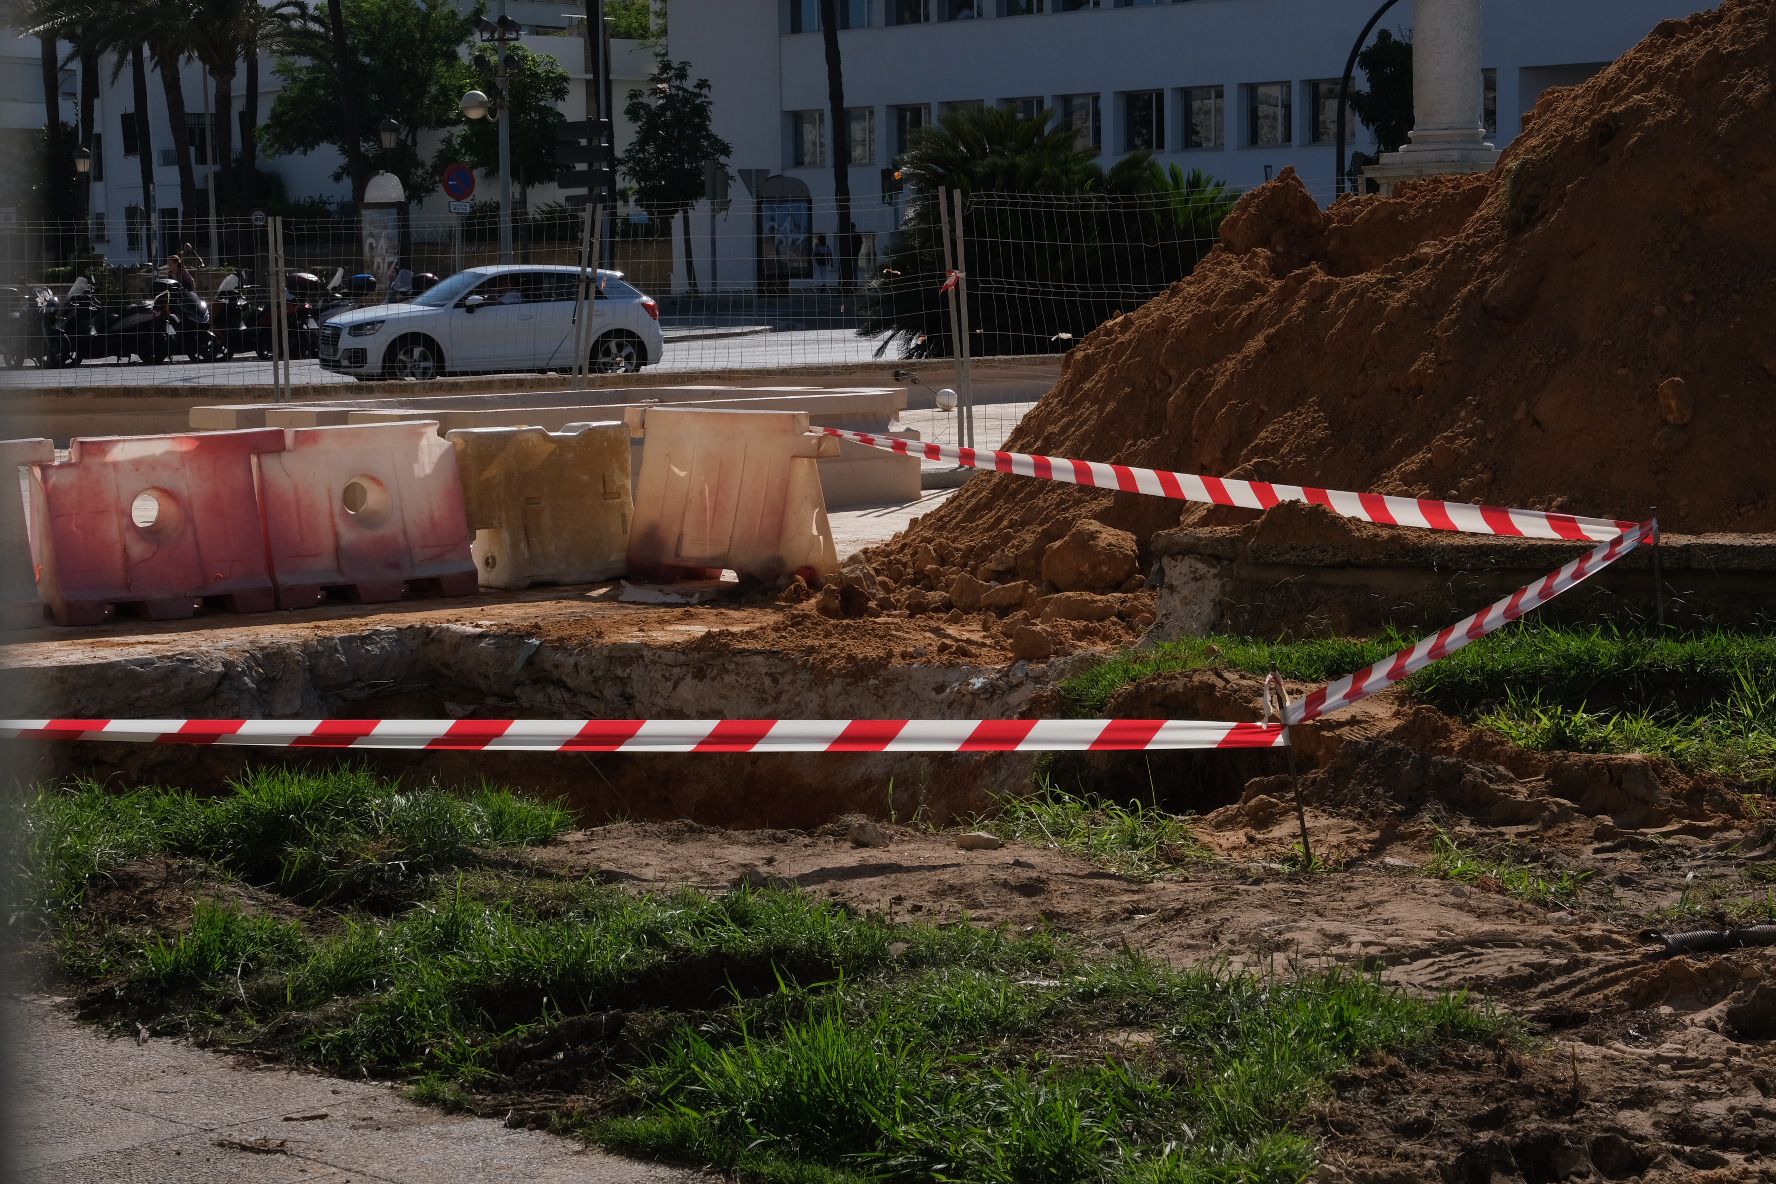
[964,375]
[1276,679]
[956,343]
[1658,571]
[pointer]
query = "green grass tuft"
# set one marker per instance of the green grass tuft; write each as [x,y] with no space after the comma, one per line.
[1133,839]
[1504,867]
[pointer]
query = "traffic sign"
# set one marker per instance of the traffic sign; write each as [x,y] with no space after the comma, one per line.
[258,217]
[462,207]
[459,181]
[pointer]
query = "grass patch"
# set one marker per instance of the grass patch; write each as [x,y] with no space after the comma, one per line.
[1503,869]
[1705,700]
[765,1031]
[313,836]
[1133,839]
[1720,902]
[1197,1075]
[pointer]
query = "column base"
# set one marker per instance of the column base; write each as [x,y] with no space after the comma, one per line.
[1415,161]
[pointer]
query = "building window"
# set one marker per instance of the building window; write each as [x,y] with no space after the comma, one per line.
[135,221]
[960,10]
[1268,114]
[1143,121]
[197,130]
[1489,103]
[1325,114]
[129,133]
[804,15]
[1140,3]
[860,129]
[1080,112]
[100,232]
[944,109]
[1020,7]
[908,120]
[912,12]
[807,139]
[1204,117]
[1074,5]
[1023,108]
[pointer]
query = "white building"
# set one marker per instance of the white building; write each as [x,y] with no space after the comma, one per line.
[1237,88]
[550,29]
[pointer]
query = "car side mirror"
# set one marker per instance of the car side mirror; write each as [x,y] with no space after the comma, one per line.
[473,302]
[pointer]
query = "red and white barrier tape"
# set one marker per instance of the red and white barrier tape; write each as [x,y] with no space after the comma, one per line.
[669,735]
[1343,692]
[1425,513]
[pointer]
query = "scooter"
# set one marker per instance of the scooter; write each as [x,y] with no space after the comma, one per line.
[190,317]
[32,330]
[231,315]
[406,285]
[142,328]
[300,323]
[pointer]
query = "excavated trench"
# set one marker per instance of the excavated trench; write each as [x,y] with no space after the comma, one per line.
[457,670]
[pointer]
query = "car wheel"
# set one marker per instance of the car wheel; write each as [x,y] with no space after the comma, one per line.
[414,357]
[617,352]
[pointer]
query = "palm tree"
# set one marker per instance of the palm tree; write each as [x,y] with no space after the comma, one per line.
[225,32]
[841,133]
[1042,272]
[284,27]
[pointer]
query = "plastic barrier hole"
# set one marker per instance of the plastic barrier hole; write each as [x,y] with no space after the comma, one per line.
[145,510]
[365,501]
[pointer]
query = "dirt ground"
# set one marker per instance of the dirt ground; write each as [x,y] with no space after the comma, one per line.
[1645,1066]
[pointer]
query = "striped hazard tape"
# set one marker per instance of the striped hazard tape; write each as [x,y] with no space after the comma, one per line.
[1342,692]
[669,735]
[1385,509]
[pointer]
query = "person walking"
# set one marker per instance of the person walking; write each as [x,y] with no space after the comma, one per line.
[823,261]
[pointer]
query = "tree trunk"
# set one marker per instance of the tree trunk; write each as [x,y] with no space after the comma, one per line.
[144,147]
[690,260]
[343,77]
[222,130]
[248,188]
[49,63]
[89,94]
[174,86]
[835,93]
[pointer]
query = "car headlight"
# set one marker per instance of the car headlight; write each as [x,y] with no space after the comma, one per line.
[365,329]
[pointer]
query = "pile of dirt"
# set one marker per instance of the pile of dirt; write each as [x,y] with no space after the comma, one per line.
[1584,329]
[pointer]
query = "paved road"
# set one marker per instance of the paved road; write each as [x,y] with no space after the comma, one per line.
[762,351]
[103,1111]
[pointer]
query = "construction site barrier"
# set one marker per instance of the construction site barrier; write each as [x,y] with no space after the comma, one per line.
[546,507]
[729,489]
[670,735]
[365,511]
[20,607]
[156,523]
[1383,509]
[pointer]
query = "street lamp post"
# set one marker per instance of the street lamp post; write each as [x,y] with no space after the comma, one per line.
[476,105]
[83,171]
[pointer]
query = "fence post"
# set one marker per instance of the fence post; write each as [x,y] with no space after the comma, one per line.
[964,367]
[949,262]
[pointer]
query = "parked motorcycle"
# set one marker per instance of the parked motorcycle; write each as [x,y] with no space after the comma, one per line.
[406,285]
[231,316]
[190,317]
[300,322]
[31,332]
[142,328]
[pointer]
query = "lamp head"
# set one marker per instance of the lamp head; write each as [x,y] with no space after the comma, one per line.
[390,133]
[486,27]
[82,161]
[475,105]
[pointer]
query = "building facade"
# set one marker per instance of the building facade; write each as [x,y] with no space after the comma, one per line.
[1237,88]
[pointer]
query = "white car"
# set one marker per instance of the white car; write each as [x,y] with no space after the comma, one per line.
[495,320]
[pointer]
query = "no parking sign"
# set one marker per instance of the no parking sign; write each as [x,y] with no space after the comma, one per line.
[459,181]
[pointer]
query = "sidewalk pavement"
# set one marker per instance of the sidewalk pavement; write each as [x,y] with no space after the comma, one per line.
[682,333]
[97,1110]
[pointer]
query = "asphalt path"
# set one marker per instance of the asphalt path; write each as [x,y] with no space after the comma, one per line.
[757,351]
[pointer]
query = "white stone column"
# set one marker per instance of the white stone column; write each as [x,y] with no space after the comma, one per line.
[1447,94]
[1446,83]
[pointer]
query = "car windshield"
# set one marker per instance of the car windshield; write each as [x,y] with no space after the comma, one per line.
[448,292]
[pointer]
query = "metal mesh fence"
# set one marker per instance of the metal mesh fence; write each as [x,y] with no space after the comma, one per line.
[759,285]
